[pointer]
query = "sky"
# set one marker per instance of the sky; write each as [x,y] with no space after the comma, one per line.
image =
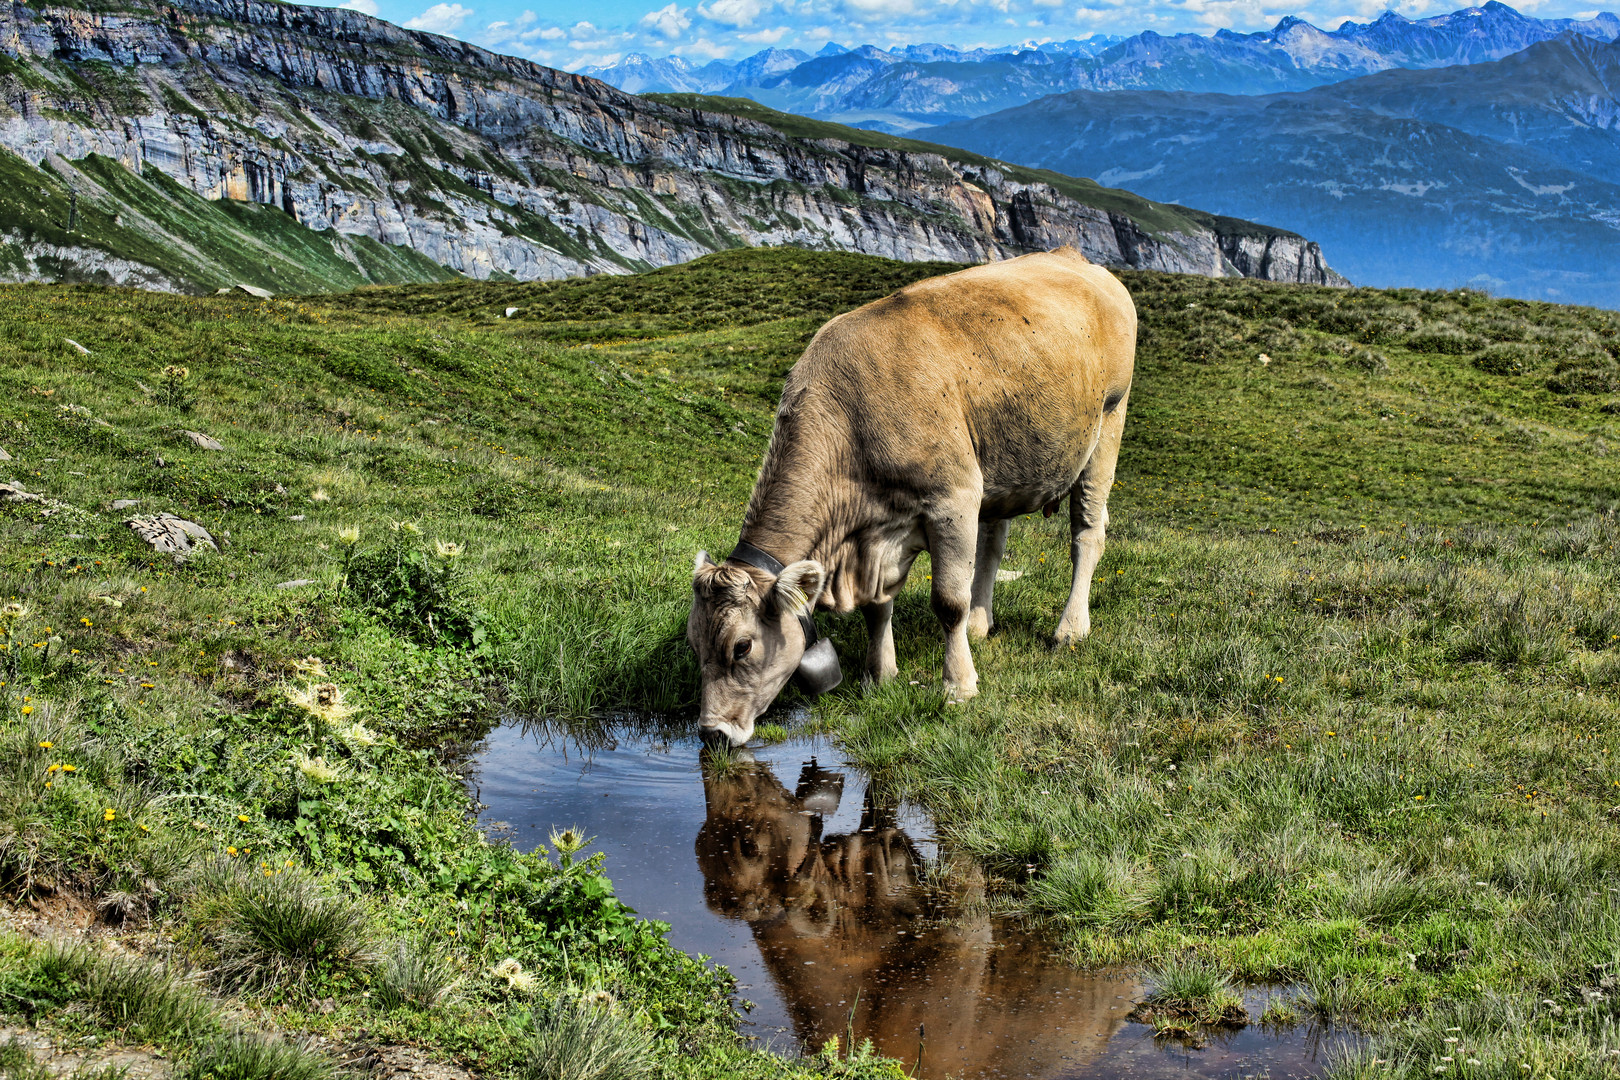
[570,34]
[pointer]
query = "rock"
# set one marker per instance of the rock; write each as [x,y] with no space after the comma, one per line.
[1009,575]
[157,459]
[81,349]
[203,441]
[14,492]
[3,455]
[253,290]
[280,490]
[511,311]
[172,535]
[124,504]
[296,583]
[295,517]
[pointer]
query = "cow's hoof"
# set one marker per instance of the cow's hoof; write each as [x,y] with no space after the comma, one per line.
[956,694]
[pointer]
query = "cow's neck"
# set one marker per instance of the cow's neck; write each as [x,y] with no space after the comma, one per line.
[803,506]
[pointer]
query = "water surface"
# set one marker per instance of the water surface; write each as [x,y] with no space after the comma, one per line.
[837,911]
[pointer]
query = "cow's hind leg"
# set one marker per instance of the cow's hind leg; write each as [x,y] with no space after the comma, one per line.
[986,561]
[880,665]
[1088,525]
[952,535]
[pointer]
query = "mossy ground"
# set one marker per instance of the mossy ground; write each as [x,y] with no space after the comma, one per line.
[1347,720]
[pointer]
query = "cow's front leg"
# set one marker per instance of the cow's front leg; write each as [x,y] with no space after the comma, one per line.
[986,561]
[880,665]
[952,536]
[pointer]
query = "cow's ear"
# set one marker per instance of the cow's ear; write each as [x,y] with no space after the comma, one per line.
[700,562]
[799,585]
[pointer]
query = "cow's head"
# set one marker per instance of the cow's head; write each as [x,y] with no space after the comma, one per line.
[749,640]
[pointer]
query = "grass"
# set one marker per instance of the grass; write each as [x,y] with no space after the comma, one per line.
[187,242]
[1347,720]
[580,1039]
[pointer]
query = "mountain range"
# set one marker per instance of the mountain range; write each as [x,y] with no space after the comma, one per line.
[200,144]
[1503,175]
[903,88]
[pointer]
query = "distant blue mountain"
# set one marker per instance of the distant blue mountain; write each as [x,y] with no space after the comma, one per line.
[1504,174]
[903,88]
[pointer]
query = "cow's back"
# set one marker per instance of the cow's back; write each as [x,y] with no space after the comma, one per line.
[1003,370]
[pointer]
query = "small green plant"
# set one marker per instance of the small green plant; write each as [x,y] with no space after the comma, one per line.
[413,974]
[17,1062]
[1279,1013]
[144,1000]
[174,389]
[280,928]
[417,593]
[1185,992]
[248,1056]
[579,1038]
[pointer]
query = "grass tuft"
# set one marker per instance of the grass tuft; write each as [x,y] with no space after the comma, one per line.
[280,928]
[414,974]
[579,1039]
[251,1056]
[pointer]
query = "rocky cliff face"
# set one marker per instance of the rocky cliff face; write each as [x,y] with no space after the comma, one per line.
[494,166]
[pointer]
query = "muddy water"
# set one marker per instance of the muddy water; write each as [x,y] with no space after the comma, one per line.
[836,911]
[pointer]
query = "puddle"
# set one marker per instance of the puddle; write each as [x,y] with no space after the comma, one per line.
[821,897]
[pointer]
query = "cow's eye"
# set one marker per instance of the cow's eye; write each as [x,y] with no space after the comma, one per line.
[742,648]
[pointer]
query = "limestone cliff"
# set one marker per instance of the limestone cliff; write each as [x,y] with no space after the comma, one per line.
[369,134]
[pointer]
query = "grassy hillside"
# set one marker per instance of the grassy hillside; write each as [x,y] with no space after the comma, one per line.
[1347,722]
[188,243]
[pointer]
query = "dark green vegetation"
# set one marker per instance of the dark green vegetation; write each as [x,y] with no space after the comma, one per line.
[183,240]
[1347,720]
[1155,217]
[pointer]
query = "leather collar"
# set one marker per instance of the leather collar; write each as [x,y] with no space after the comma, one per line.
[749,555]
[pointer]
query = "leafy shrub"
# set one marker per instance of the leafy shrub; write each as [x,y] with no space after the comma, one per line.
[420,595]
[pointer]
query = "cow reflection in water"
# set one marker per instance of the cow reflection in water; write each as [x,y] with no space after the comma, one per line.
[846,914]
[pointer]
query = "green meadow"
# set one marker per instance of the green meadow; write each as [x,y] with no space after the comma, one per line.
[1345,726]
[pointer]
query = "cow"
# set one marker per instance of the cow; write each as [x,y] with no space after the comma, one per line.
[923,421]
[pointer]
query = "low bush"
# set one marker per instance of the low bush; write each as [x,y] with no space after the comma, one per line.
[417,593]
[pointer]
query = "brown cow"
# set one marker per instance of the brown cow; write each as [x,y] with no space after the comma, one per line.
[925,420]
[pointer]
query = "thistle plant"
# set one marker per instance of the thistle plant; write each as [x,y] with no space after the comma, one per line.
[174,391]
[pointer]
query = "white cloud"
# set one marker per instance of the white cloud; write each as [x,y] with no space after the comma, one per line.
[669,20]
[550,33]
[703,49]
[364,7]
[765,37]
[882,7]
[440,19]
[734,12]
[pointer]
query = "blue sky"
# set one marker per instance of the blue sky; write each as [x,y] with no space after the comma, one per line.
[570,35]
